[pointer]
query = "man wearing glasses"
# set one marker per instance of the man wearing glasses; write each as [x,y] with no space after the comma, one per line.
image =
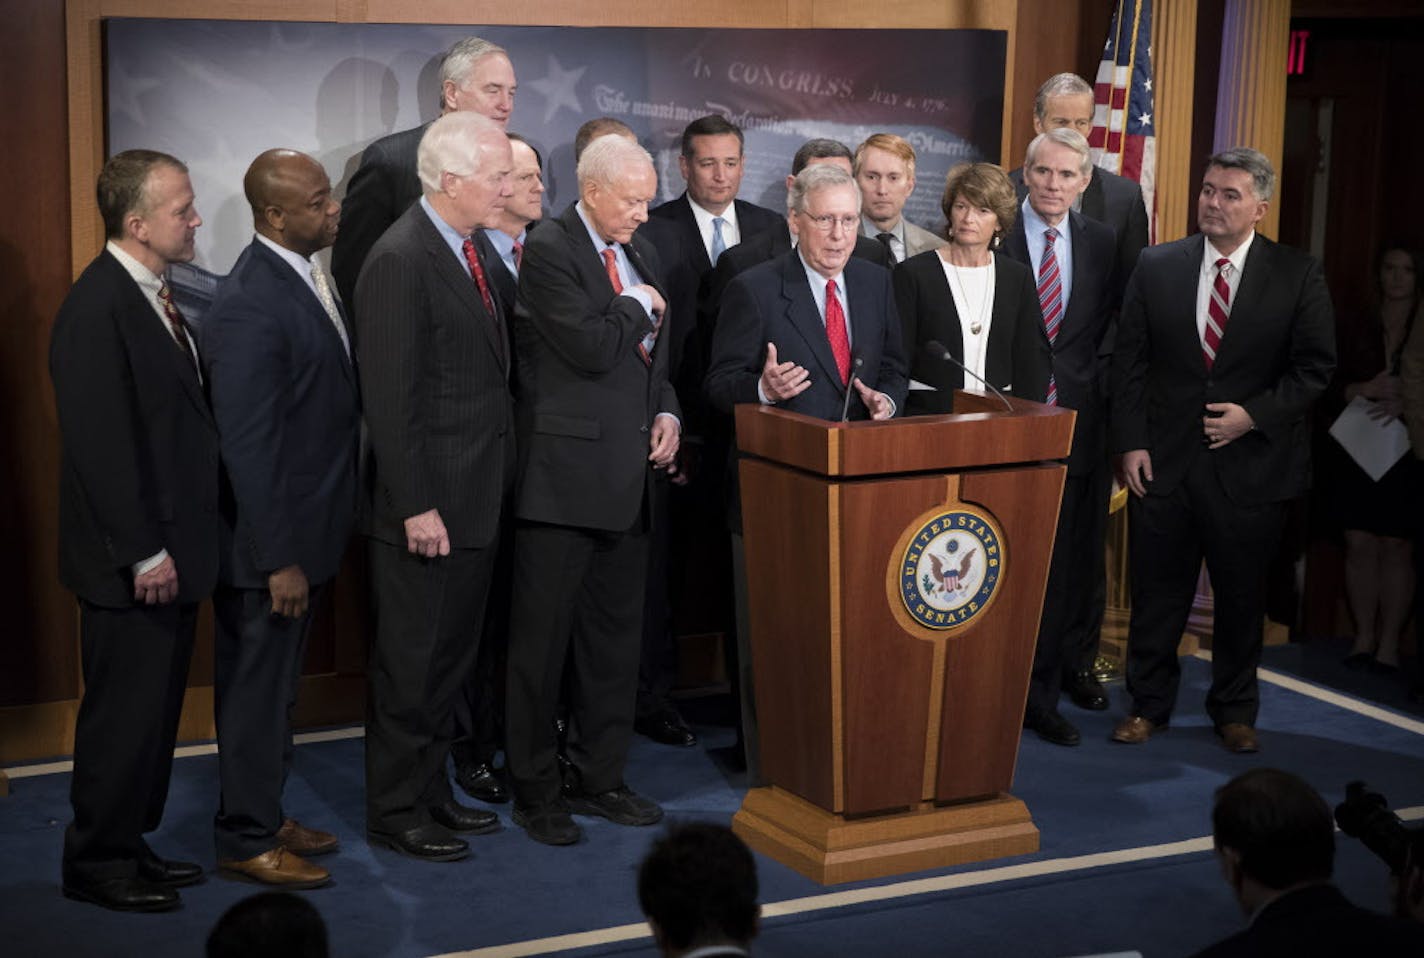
[802,330]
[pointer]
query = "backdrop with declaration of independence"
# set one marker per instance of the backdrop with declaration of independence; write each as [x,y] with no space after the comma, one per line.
[217,93]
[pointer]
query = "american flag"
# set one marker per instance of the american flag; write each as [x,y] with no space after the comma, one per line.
[1123,137]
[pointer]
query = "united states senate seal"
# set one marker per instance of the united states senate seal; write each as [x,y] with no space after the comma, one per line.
[951,568]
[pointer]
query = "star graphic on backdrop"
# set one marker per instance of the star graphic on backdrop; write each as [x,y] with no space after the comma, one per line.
[127,93]
[557,86]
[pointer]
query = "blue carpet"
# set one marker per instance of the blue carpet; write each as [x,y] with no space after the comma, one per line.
[1095,798]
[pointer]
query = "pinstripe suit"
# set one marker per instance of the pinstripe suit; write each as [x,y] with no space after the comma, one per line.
[440,421]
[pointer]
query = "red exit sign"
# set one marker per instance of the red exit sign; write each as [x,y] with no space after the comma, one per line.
[1295,59]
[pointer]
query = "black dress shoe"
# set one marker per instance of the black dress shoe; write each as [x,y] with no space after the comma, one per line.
[161,871]
[458,818]
[1086,692]
[667,728]
[123,894]
[480,782]
[431,842]
[621,805]
[1051,727]
[1358,661]
[549,824]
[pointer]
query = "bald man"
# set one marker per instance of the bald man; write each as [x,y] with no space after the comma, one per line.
[277,359]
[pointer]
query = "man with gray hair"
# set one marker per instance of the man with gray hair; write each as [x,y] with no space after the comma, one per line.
[597,417]
[439,414]
[1225,341]
[1071,257]
[1065,102]
[802,331]
[475,76]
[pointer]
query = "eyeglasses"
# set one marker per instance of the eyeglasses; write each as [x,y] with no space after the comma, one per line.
[824,222]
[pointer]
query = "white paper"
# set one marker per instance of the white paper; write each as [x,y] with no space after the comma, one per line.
[1375,446]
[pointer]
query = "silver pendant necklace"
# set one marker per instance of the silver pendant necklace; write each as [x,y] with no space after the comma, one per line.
[976,326]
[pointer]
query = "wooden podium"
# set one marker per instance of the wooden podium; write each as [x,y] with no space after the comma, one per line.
[896,573]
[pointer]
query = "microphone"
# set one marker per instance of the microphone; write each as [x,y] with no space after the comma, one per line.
[936,349]
[850,387]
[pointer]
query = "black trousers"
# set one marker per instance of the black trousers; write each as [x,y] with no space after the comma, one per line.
[1067,602]
[429,613]
[479,708]
[1169,537]
[257,664]
[578,594]
[1083,627]
[135,664]
[657,661]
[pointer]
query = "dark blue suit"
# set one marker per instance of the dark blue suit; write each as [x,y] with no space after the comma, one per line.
[285,399]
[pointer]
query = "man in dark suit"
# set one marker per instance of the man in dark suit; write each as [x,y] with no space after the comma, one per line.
[772,254]
[280,373]
[783,337]
[596,418]
[1072,261]
[1065,101]
[1225,341]
[439,416]
[479,710]
[692,232]
[475,75]
[1275,841]
[138,526]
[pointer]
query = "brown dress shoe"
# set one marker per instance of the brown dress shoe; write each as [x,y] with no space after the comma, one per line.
[1238,737]
[278,867]
[1134,730]
[306,841]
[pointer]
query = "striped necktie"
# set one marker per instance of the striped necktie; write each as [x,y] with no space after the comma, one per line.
[1050,299]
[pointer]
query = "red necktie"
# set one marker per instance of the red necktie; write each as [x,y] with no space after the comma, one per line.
[1050,299]
[518,255]
[836,332]
[478,272]
[175,322]
[610,263]
[1216,313]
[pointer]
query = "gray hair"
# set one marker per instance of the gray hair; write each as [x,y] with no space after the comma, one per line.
[816,177]
[453,144]
[1254,162]
[607,159]
[1060,84]
[1063,136]
[461,59]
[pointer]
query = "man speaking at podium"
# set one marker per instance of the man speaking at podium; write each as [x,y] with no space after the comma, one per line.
[813,331]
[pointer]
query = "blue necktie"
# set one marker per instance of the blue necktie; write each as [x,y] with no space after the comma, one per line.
[719,245]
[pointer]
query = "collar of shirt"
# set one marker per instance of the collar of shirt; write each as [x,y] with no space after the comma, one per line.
[299,264]
[1210,254]
[1034,226]
[897,235]
[503,244]
[448,233]
[715,950]
[731,233]
[148,282]
[626,272]
[818,293]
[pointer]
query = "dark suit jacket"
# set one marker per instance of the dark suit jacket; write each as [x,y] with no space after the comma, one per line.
[1319,922]
[1077,371]
[139,450]
[289,418]
[772,302]
[1017,360]
[1116,201]
[382,188]
[587,399]
[435,385]
[751,221]
[1275,359]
